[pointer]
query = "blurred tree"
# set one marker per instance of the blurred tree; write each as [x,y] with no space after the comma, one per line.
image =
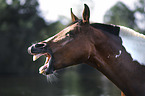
[20,25]
[140,15]
[120,14]
[140,6]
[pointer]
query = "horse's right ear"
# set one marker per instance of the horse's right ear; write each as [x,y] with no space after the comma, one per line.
[73,17]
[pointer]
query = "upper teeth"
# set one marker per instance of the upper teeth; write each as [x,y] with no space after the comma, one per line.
[35,57]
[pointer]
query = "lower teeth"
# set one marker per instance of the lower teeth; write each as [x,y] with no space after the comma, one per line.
[42,69]
[45,66]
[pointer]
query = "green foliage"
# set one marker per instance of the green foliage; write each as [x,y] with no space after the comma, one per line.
[120,14]
[140,6]
[140,10]
[20,25]
[52,29]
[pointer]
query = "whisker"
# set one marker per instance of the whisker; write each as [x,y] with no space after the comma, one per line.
[52,78]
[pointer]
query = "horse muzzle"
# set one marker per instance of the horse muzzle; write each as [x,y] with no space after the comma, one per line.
[38,50]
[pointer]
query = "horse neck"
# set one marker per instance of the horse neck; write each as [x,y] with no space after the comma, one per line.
[113,61]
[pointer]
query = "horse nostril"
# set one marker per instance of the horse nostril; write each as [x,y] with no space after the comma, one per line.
[39,45]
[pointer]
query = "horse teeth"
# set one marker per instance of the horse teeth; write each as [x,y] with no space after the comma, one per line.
[44,67]
[35,57]
[41,69]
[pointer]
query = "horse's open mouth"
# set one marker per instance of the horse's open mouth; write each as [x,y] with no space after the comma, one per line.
[45,68]
[38,50]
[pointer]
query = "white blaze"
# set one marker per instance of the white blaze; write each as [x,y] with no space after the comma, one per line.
[134,43]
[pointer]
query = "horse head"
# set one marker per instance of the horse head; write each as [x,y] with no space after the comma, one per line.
[69,47]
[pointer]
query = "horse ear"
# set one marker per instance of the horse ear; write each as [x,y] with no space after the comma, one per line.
[86,14]
[73,17]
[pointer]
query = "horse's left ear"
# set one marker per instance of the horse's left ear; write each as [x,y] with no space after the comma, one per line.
[86,14]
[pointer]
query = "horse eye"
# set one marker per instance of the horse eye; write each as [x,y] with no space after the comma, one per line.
[70,34]
[67,34]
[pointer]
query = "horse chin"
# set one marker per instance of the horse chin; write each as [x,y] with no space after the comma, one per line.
[45,69]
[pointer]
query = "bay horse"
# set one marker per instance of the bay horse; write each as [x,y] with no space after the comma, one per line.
[108,48]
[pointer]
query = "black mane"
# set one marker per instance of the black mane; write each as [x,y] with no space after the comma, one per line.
[113,29]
